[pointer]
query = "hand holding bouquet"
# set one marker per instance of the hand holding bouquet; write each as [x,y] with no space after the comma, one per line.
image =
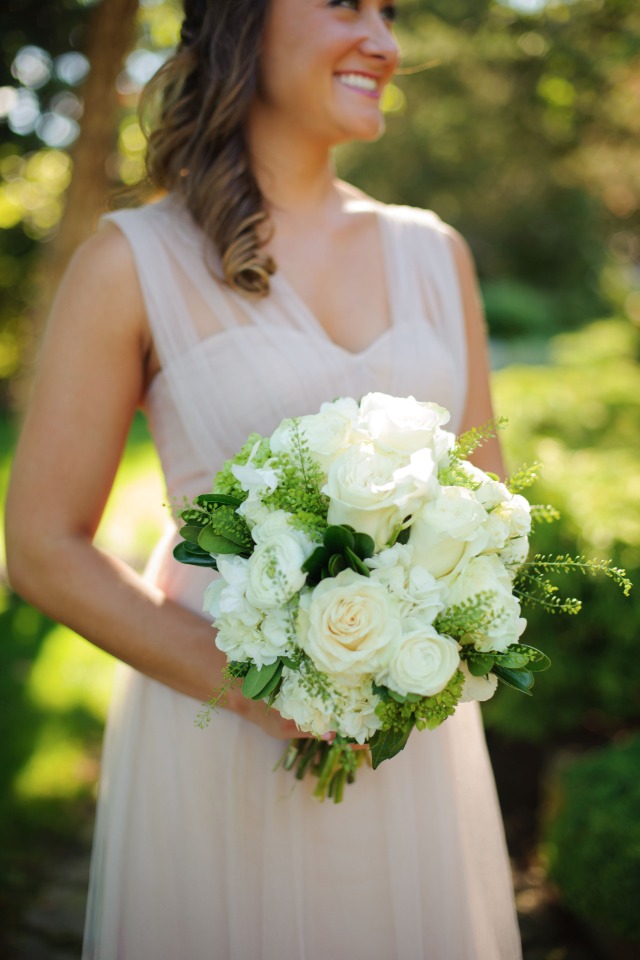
[371,578]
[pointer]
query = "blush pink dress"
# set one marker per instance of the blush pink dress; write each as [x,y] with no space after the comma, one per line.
[201,851]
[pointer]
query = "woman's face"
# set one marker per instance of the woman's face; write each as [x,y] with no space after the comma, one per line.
[324,64]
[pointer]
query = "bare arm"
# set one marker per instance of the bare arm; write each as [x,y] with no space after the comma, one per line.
[91,379]
[478,407]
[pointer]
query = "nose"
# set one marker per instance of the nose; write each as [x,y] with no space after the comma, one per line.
[378,40]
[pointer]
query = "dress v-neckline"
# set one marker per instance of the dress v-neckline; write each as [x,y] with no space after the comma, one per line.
[279,279]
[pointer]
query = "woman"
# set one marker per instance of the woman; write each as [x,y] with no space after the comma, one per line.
[201,850]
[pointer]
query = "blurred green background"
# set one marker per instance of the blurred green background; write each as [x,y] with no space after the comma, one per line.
[521,128]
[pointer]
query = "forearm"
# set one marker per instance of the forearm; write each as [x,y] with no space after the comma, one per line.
[104,600]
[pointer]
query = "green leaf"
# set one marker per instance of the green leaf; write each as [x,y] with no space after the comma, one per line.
[337,564]
[387,743]
[521,680]
[225,522]
[214,543]
[512,658]
[338,538]
[314,563]
[190,532]
[182,553]
[479,664]
[364,546]
[273,684]
[215,499]
[398,697]
[537,659]
[257,680]
[356,563]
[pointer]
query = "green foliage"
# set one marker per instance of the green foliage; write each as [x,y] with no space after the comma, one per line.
[400,715]
[592,842]
[257,449]
[580,417]
[299,490]
[468,621]
[452,473]
[342,548]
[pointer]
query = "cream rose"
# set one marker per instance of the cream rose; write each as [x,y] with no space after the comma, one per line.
[447,529]
[374,492]
[400,424]
[326,433]
[423,663]
[349,626]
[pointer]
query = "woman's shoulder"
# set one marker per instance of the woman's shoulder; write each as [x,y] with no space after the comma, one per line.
[422,216]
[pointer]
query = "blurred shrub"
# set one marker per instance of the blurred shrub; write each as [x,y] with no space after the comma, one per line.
[580,417]
[593,841]
[516,309]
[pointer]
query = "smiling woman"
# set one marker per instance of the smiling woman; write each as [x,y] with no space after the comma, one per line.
[257,287]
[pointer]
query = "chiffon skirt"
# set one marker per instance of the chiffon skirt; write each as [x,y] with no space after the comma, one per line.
[203,852]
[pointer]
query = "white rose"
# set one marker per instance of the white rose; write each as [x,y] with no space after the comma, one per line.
[480,575]
[274,569]
[325,433]
[400,424]
[374,492]
[447,529]
[423,663]
[477,688]
[349,626]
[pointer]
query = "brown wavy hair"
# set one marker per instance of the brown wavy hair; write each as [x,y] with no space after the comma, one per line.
[199,100]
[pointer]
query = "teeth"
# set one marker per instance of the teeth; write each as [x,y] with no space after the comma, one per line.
[357,80]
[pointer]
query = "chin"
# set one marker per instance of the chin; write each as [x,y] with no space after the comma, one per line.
[367,132]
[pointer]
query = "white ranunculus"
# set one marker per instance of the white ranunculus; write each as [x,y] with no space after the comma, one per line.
[400,424]
[423,663]
[477,688]
[447,529]
[482,574]
[274,569]
[325,433]
[374,492]
[349,626]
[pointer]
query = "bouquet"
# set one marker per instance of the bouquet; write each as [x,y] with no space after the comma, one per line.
[371,577]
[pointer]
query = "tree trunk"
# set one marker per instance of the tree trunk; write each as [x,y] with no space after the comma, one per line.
[110,35]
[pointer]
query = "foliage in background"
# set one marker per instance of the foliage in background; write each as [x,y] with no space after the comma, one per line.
[592,838]
[580,417]
[523,133]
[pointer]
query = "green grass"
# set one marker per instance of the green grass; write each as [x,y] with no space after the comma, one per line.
[55,689]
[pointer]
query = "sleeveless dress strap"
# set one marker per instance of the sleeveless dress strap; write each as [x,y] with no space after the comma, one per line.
[428,277]
[175,287]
